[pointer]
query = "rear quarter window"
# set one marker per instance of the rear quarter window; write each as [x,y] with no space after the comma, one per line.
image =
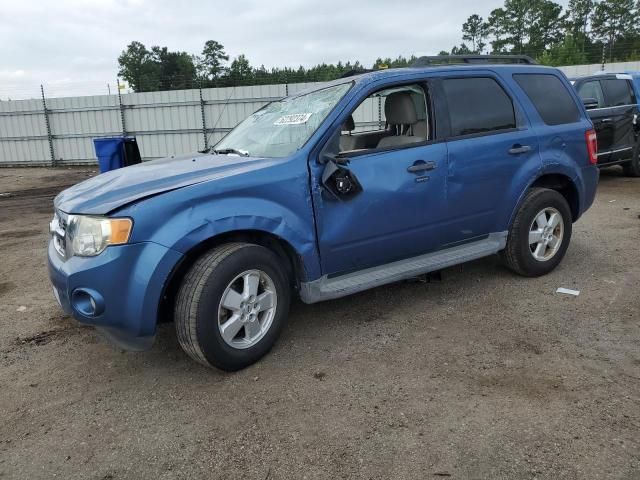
[550,97]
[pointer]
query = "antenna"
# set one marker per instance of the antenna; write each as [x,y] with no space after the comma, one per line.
[224,107]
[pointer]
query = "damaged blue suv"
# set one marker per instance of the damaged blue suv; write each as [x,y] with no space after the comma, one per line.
[350,185]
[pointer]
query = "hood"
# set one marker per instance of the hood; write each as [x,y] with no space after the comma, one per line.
[105,192]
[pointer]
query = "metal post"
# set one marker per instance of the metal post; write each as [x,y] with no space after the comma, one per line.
[124,127]
[48,125]
[604,56]
[379,112]
[204,120]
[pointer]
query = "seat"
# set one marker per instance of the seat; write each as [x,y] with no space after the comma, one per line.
[400,112]
[348,142]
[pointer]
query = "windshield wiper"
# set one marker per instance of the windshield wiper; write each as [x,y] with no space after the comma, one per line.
[226,151]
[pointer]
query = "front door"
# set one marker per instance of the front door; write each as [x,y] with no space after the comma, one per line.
[601,116]
[398,214]
[399,210]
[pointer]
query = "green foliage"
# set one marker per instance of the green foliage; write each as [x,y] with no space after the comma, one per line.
[476,31]
[526,26]
[211,65]
[567,52]
[156,69]
[586,31]
[613,20]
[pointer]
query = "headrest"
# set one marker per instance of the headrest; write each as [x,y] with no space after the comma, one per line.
[399,109]
[349,124]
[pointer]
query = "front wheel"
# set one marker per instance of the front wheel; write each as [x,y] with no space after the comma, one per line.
[540,233]
[232,306]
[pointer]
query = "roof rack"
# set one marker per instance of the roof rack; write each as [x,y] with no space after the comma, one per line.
[472,59]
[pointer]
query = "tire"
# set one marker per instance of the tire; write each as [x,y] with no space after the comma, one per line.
[632,168]
[201,316]
[539,258]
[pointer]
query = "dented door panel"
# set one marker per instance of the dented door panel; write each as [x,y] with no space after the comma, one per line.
[399,212]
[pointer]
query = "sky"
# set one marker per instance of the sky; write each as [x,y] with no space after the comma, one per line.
[72,46]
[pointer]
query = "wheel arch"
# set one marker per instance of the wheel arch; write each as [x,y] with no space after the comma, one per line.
[559,182]
[291,259]
[563,185]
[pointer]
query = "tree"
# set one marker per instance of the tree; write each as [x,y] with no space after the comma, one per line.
[614,19]
[578,19]
[177,70]
[526,26]
[461,50]
[500,27]
[138,68]
[156,69]
[567,52]
[240,71]
[210,65]
[476,31]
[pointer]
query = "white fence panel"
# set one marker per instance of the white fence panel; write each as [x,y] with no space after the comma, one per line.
[583,70]
[165,123]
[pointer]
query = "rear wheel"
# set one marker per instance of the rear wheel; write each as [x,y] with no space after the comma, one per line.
[540,234]
[632,168]
[232,306]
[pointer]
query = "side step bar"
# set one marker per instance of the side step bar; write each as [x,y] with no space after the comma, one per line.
[327,288]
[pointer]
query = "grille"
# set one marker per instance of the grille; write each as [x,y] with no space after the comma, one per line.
[58,228]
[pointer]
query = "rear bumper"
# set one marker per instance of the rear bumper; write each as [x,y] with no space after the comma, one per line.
[118,291]
[590,178]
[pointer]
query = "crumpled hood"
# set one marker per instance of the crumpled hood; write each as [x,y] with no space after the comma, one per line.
[108,191]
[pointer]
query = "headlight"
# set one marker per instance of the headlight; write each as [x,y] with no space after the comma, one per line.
[88,236]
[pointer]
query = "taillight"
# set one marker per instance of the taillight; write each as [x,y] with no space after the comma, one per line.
[592,145]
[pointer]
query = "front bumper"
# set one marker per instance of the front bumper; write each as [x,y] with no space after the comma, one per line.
[125,283]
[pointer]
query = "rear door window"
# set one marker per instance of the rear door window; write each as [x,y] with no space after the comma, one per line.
[617,92]
[550,97]
[592,89]
[478,105]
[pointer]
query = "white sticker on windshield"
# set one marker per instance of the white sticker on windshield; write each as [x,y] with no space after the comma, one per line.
[293,119]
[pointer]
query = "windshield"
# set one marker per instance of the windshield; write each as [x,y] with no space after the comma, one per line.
[282,127]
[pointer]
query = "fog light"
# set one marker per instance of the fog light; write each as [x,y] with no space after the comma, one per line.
[87,302]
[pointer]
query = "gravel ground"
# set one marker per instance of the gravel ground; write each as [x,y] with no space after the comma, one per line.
[482,375]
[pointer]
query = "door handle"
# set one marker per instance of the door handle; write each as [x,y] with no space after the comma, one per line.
[518,149]
[421,166]
[606,120]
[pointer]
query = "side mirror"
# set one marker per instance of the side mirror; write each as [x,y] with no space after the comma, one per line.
[590,103]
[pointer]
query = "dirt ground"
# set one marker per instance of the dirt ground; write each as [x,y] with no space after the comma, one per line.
[482,375]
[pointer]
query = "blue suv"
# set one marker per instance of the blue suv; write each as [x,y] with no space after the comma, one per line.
[350,185]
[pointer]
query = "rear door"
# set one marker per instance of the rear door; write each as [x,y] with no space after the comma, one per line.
[489,142]
[600,116]
[621,107]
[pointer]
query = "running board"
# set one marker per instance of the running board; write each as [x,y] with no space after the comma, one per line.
[326,288]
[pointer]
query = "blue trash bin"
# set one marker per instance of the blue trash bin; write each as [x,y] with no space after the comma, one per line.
[110,153]
[116,152]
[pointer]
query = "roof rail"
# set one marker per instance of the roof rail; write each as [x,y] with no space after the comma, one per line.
[472,59]
[351,73]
